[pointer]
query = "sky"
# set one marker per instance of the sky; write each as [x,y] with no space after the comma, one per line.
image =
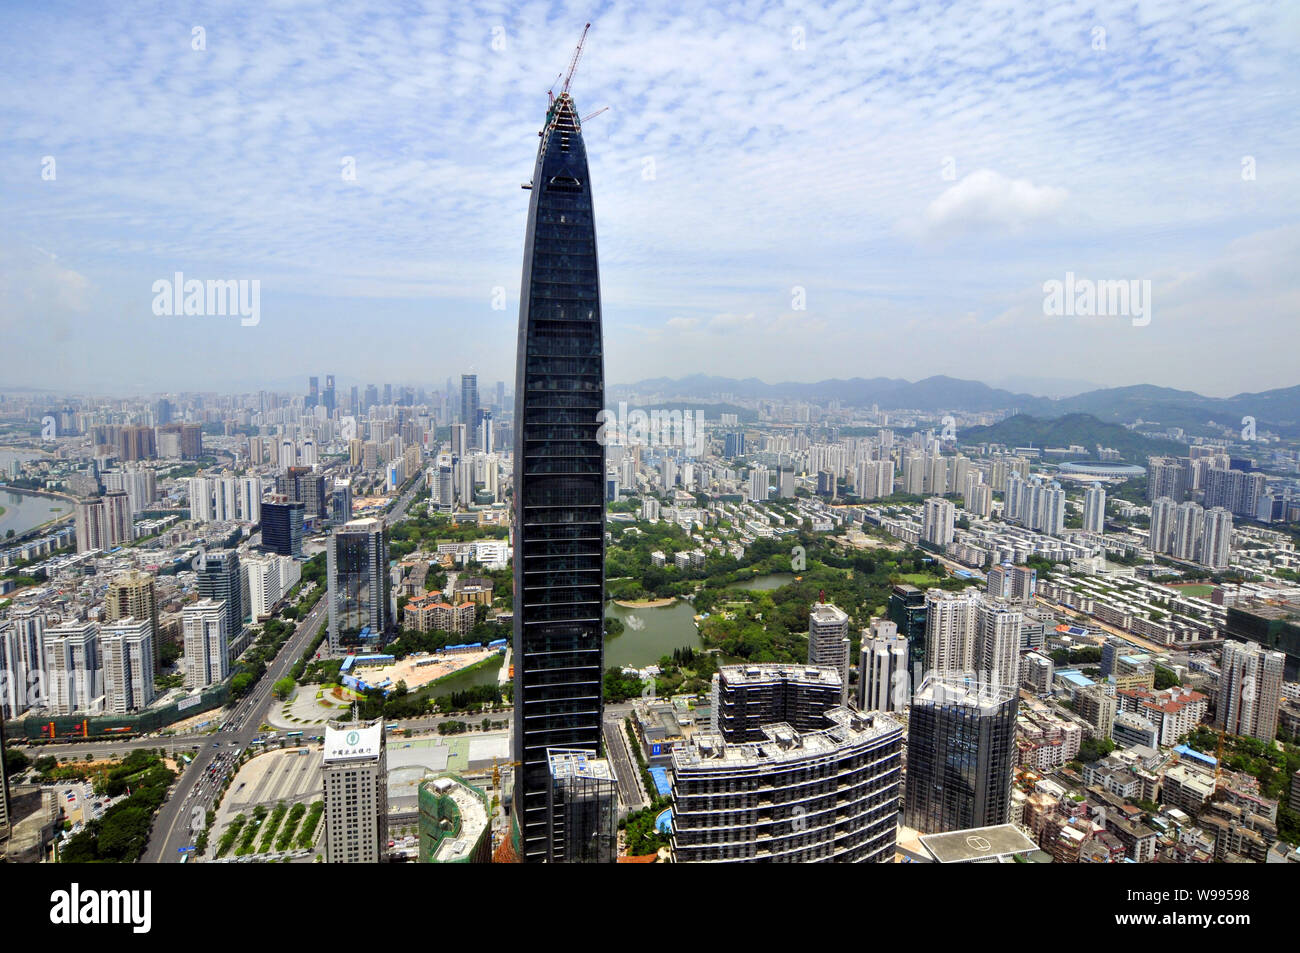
[788,191]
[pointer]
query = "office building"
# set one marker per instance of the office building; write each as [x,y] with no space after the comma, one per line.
[1250,690]
[828,641]
[355,777]
[127,653]
[469,407]
[205,627]
[961,752]
[218,579]
[908,609]
[559,469]
[358,580]
[282,521]
[582,801]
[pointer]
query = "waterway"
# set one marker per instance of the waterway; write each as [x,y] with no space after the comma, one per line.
[25,511]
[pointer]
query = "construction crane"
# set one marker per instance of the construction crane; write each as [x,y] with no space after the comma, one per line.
[496,772]
[573,65]
[602,109]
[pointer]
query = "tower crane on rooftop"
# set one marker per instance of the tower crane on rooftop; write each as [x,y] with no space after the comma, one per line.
[573,66]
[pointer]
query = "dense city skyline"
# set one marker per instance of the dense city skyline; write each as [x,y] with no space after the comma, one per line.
[910,178]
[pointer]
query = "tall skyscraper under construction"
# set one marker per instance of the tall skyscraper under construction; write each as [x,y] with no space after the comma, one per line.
[559,475]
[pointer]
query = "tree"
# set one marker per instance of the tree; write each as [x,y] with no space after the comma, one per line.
[1166,678]
[283,687]
[15,761]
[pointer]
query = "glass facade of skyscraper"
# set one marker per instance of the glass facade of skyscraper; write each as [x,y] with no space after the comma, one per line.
[559,474]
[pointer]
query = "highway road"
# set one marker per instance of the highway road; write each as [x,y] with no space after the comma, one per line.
[195,791]
[626,772]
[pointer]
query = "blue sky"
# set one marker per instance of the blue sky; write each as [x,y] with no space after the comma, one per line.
[919,170]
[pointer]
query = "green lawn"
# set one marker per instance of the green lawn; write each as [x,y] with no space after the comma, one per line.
[920,579]
[1199,591]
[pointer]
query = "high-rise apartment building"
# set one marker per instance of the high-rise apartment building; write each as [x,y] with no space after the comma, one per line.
[1164,511]
[828,641]
[828,794]
[883,677]
[1166,477]
[559,470]
[104,523]
[1094,509]
[127,653]
[134,594]
[961,752]
[73,677]
[1216,539]
[950,629]
[1250,690]
[938,519]
[745,698]
[205,627]
[355,777]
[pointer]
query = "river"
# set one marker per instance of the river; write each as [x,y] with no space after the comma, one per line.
[25,511]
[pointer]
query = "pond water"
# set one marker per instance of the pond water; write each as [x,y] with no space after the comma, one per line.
[650,634]
[774,580]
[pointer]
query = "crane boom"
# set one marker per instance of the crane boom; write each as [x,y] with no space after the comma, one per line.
[573,63]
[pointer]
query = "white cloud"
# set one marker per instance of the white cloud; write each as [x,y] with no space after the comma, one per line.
[988,200]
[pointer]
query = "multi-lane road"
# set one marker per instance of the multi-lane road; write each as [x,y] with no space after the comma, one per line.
[181,816]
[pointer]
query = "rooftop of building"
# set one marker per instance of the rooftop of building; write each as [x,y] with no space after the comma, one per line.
[766,671]
[825,613]
[784,743]
[351,741]
[578,763]
[472,808]
[979,844]
[967,691]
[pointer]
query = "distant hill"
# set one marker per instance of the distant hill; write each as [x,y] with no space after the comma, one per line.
[1277,410]
[1082,429]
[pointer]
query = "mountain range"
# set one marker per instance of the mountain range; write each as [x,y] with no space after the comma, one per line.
[1277,410]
